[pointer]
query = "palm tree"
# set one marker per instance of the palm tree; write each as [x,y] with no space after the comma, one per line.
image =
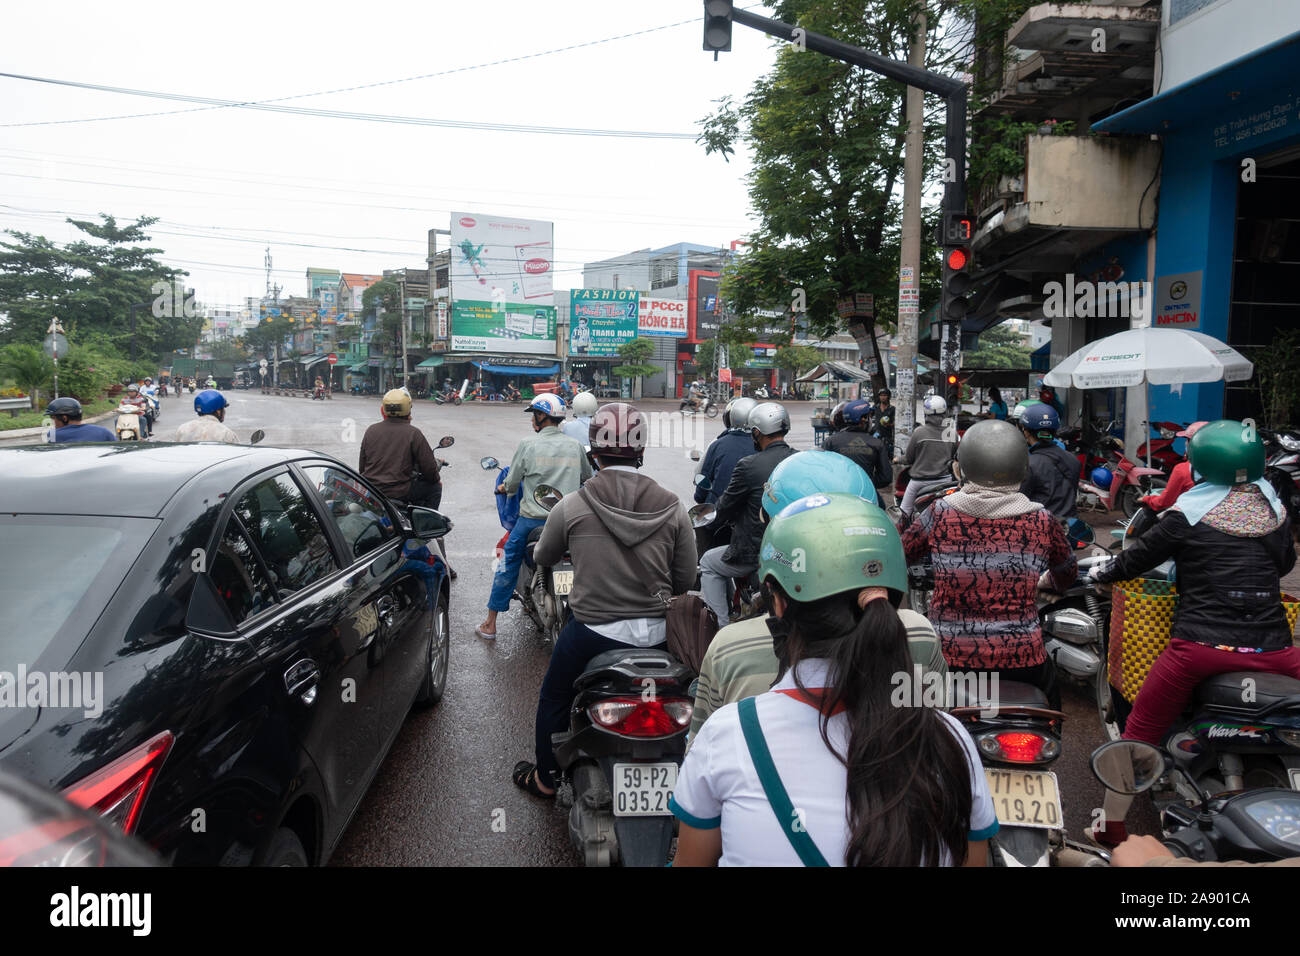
[29,367]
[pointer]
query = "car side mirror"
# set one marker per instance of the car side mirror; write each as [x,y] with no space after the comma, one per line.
[446,441]
[487,464]
[427,523]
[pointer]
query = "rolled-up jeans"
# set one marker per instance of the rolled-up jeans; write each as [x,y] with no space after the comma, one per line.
[918,486]
[715,572]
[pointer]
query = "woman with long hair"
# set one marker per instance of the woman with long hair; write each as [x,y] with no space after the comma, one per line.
[840,763]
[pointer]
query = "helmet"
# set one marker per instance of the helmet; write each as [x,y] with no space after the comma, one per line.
[1040,418]
[993,453]
[809,472]
[769,418]
[832,544]
[585,404]
[552,406]
[1227,453]
[855,411]
[1191,429]
[935,405]
[884,393]
[1018,412]
[1101,477]
[397,402]
[133,388]
[148,380]
[736,414]
[64,406]
[837,416]
[617,430]
[210,401]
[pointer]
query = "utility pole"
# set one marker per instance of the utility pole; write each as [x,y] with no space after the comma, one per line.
[909,272]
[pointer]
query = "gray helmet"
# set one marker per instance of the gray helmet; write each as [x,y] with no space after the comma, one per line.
[64,406]
[736,414]
[769,418]
[993,452]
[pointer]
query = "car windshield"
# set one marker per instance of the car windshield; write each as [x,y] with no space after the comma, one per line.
[57,572]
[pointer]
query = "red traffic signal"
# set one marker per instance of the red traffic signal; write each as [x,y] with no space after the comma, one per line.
[958,258]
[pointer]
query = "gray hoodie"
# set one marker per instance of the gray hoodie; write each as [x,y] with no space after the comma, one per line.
[624,514]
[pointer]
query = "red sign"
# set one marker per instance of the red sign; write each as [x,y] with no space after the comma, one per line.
[332,358]
[468,222]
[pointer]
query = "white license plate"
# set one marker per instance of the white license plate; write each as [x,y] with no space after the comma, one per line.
[643,789]
[1295,779]
[1025,798]
[562,581]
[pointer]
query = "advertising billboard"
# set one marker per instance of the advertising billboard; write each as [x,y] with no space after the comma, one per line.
[502,297]
[600,320]
[705,309]
[663,317]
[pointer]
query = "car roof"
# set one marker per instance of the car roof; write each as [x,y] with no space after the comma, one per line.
[127,479]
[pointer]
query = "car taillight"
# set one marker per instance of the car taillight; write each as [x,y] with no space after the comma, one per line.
[1019,746]
[634,717]
[117,791]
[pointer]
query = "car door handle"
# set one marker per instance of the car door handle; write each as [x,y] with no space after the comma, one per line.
[301,680]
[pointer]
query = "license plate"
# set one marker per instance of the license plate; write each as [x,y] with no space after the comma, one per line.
[1295,779]
[643,789]
[562,581]
[1025,798]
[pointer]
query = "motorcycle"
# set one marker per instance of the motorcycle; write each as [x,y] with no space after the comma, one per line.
[745,595]
[1125,484]
[1163,455]
[1282,469]
[318,394]
[127,425]
[446,395]
[703,404]
[762,394]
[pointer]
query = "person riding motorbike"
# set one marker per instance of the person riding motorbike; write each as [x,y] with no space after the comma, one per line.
[822,769]
[991,547]
[67,413]
[1230,539]
[138,399]
[929,453]
[579,426]
[740,506]
[725,451]
[318,389]
[550,458]
[394,452]
[1047,395]
[741,661]
[856,443]
[1180,479]
[632,548]
[511,392]
[210,406]
[697,394]
[210,383]
[1053,479]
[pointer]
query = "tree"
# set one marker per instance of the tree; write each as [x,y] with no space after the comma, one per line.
[797,359]
[827,142]
[706,358]
[29,367]
[635,353]
[999,347]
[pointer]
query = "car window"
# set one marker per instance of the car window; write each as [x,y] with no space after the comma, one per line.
[239,577]
[286,533]
[360,516]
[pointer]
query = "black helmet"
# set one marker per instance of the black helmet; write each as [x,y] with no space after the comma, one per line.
[64,406]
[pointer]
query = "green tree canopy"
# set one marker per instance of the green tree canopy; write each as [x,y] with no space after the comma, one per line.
[999,347]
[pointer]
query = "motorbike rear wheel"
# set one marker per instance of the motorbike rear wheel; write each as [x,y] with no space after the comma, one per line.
[711,411]
[1129,494]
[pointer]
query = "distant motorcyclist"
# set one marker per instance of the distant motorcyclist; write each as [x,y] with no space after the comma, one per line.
[210,425]
[726,451]
[1053,479]
[394,450]
[740,507]
[697,394]
[210,383]
[551,458]
[856,442]
[929,453]
[67,414]
[633,549]
[579,427]
[144,411]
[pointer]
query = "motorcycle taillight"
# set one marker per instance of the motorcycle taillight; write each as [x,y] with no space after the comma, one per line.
[1019,746]
[634,717]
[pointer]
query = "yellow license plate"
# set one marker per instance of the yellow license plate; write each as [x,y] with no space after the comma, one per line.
[1025,798]
[562,581]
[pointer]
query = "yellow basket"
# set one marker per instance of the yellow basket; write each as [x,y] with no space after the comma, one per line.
[1141,617]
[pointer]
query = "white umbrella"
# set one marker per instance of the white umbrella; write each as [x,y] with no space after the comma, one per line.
[1150,356]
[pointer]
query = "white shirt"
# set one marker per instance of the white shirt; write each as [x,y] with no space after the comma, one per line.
[718,785]
[205,428]
[578,428]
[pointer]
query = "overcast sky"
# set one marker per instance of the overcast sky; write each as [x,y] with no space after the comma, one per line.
[228,182]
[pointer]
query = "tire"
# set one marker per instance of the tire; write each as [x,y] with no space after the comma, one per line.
[711,411]
[285,849]
[1129,495]
[439,659]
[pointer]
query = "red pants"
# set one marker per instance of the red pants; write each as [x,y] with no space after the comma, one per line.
[1179,668]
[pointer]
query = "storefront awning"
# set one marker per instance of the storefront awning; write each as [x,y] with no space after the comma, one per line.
[359,367]
[433,361]
[532,370]
[836,371]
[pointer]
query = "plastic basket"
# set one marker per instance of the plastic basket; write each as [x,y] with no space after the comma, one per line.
[1141,617]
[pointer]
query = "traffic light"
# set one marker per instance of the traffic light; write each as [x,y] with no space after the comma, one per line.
[717,25]
[952,393]
[955,237]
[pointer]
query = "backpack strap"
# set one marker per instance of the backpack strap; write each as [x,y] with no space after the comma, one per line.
[774,790]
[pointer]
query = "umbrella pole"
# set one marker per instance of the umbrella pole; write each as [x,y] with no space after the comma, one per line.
[1146,396]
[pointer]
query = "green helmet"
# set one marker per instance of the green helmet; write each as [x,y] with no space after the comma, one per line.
[1227,453]
[828,544]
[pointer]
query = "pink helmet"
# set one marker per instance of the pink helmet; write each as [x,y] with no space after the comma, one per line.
[1192,429]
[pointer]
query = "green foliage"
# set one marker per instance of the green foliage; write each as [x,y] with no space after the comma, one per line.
[797,358]
[28,367]
[385,294]
[999,347]
[1278,377]
[636,351]
[706,358]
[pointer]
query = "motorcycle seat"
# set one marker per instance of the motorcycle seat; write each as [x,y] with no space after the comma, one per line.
[1224,692]
[633,664]
[1010,693]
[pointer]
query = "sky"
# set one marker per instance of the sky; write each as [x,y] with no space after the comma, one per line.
[353,194]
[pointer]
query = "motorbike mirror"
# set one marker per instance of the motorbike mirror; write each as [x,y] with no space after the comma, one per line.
[446,441]
[546,496]
[487,464]
[1128,766]
[695,454]
[701,515]
[256,437]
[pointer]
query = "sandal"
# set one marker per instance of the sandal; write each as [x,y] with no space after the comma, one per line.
[525,778]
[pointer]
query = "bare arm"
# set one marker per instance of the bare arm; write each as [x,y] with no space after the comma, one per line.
[698,847]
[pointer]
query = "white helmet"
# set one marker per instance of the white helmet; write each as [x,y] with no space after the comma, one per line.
[584,403]
[935,405]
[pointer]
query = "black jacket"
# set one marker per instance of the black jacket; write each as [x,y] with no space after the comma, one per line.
[741,503]
[882,421]
[720,460]
[1228,588]
[866,452]
[1053,479]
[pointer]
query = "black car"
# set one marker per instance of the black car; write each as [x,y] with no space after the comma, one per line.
[212,645]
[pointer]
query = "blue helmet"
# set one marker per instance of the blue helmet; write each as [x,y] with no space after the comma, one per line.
[1040,418]
[1101,477]
[856,410]
[209,402]
[814,472]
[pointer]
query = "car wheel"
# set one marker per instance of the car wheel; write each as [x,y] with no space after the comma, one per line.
[435,677]
[285,849]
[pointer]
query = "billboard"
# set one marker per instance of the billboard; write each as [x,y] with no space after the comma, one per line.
[663,317]
[502,297]
[600,320]
[705,310]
